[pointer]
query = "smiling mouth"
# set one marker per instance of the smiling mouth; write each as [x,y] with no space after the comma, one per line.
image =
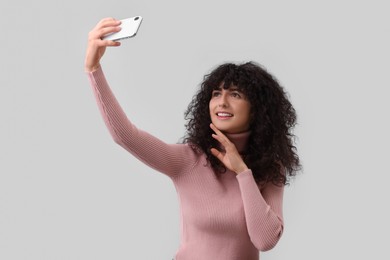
[223,114]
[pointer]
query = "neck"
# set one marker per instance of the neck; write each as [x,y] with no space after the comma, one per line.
[240,140]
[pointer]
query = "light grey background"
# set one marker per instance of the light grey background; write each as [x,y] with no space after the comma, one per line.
[67,191]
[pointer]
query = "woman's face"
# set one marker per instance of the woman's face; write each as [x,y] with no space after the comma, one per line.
[230,110]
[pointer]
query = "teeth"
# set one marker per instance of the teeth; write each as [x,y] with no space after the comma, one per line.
[224,114]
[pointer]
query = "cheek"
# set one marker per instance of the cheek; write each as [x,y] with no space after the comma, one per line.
[210,106]
[248,113]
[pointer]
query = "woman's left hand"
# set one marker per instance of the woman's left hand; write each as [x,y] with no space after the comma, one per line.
[230,157]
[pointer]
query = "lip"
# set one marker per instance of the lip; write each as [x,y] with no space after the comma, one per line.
[225,116]
[224,112]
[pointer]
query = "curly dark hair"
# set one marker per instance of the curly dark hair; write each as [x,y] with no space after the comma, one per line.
[271,154]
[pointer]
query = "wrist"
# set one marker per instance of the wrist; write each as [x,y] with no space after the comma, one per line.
[92,68]
[241,169]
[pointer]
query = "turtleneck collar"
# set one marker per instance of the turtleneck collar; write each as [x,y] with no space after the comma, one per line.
[240,140]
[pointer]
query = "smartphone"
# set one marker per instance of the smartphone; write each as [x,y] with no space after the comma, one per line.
[129,29]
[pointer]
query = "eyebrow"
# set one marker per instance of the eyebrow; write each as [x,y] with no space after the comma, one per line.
[229,89]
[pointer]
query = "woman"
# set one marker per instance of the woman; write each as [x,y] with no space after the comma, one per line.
[236,158]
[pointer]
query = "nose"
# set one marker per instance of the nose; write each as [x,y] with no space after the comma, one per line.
[223,101]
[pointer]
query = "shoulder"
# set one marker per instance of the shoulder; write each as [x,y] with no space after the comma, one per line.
[192,150]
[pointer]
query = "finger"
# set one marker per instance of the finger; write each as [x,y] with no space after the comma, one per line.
[99,42]
[97,34]
[218,132]
[220,136]
[107,30]
[215,129]
[217,154]
[111,43]
[107,24]
[226,145]
[115,23]
[109,21]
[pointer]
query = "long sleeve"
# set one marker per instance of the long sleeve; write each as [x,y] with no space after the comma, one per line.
[170,159]
[263,211]
[229,212]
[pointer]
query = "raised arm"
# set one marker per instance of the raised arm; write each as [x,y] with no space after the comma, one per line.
[171,159]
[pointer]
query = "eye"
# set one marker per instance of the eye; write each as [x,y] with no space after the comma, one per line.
[236,94]
[216,93]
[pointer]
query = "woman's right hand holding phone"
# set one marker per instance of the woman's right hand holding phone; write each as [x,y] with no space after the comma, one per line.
[96,46]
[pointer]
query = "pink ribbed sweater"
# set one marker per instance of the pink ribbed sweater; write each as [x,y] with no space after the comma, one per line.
[226,218]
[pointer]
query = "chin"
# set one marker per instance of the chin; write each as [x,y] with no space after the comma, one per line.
[225,129]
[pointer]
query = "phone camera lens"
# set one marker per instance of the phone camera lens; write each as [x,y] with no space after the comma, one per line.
[135,19]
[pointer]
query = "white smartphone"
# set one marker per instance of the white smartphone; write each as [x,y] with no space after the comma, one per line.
[129,29]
